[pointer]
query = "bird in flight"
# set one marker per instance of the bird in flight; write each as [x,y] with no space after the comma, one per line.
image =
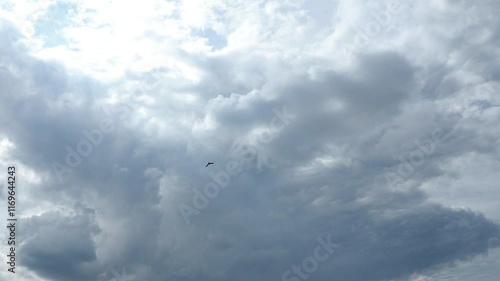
[209,163]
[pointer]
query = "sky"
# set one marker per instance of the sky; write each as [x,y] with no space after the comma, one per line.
[351,140]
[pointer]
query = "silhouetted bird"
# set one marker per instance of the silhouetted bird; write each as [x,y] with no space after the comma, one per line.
[209,163]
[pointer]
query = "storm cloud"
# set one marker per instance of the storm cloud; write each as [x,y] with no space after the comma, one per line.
[351,141]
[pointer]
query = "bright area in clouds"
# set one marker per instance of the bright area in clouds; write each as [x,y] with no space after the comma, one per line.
[176,84]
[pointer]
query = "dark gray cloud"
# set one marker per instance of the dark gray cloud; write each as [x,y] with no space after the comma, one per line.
[60,247]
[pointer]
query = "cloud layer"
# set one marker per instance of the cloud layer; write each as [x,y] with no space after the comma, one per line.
[369,126]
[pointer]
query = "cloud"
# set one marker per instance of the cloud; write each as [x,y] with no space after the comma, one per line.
[183,83]
[60,247]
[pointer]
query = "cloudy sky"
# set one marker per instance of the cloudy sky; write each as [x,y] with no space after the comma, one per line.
[352,140]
